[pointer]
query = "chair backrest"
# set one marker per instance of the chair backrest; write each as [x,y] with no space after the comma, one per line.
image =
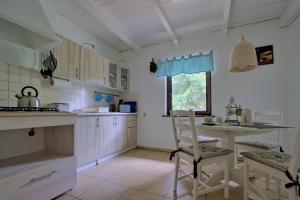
[295,161]
[184,122]
[294,166]
[271,117]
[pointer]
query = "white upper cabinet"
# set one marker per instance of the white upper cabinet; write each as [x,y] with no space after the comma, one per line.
[26,23]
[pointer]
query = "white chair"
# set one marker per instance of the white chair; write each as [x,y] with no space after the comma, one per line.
[277,165]
[261,142]
[197,155]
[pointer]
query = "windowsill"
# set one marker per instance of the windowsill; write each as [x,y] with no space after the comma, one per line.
[204,115]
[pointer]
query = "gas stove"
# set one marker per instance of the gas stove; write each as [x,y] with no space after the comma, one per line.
[27,109]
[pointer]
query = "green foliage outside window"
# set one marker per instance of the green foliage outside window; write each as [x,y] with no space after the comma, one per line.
[189,92]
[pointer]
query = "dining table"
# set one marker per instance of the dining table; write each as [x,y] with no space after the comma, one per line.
[228,132]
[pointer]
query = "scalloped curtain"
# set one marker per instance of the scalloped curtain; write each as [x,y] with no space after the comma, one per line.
[189,65]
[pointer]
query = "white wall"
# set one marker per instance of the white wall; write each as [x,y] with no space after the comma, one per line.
[265,88]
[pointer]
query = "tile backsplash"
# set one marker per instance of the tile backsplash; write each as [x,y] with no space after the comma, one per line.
[14,78]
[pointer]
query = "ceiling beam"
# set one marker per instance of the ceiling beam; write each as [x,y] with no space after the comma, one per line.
[105,18]
[226,16]
[164,21]
[289,15]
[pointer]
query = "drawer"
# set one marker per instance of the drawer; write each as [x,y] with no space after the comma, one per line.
[37,180]
[131,124]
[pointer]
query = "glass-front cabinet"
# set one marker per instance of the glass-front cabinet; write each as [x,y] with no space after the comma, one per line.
[124,79]
[113,75]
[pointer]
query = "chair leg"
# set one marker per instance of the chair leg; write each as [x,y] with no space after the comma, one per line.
[196,183]
[195,188]
[236,154]
[268,182]
[226,181]
[246,179]
[176,173]
[278,189]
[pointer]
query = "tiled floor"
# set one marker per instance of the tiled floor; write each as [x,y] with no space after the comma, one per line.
[136,175]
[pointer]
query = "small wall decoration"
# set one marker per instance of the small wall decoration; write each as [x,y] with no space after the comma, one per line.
[265,55]
[153,66]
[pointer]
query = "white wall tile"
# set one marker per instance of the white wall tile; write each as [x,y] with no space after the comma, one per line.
[3,85]
[11,95]
[4,67]
[13,103]
[14,87]
[14,69]
[3,76]
[3,95]
[14,78]
[4,103]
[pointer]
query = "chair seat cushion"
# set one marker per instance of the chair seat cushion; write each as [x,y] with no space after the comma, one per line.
[274,159]
[205,140]
[261,145]
[207,151]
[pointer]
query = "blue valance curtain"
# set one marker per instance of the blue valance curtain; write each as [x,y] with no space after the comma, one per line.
[189,65]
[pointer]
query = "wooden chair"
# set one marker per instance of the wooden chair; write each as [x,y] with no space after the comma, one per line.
[282,167]
[197,155]
[262,142]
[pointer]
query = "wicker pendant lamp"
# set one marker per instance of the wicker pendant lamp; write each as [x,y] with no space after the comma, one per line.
[243,57]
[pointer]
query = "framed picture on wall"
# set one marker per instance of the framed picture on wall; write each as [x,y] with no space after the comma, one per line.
[265,55]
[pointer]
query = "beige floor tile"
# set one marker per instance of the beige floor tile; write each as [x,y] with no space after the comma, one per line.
[104,191]
[156,184]
[126,177]
[118,163]
[84,183]
[102,172]
[134,194]
[64,197]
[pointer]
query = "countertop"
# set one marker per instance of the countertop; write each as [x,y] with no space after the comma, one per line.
[104,114]
[32,114]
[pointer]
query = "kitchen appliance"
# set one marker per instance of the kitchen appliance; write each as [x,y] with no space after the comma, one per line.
[128,106]
[61,107]
[124,108]
[28,100]
[27,109]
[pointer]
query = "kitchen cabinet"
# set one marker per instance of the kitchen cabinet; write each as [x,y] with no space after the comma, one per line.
[131,131]
[123,79]
[86,140]
[100,136]
[105,137]
[105,73]
[93,67]
[61,53]
[74,61]
[120,128]
[113,75]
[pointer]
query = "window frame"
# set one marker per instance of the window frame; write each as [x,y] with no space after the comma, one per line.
[207,112]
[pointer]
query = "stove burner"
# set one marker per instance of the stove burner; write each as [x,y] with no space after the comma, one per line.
[27,109]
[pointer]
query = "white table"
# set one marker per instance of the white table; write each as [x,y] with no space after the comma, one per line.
[229,132]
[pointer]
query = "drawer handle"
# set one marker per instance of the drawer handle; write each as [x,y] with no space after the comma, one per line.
[38,179]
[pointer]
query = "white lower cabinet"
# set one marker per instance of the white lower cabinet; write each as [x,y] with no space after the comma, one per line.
[101,136]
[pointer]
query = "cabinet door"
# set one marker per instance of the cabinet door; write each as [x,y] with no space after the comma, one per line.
[105,138]
[87,64]
[91,128]
[132,131]
[81,141]
[83,62]
[74,60]
[61,53]
[99,70]
[121,132]
[105,73]
[124,79]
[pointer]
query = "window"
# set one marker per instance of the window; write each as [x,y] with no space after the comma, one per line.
[189,91]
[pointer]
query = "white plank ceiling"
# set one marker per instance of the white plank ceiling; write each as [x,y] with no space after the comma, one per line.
[139,21]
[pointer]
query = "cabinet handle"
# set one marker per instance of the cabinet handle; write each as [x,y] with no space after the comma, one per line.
[97,124]
[38,179]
